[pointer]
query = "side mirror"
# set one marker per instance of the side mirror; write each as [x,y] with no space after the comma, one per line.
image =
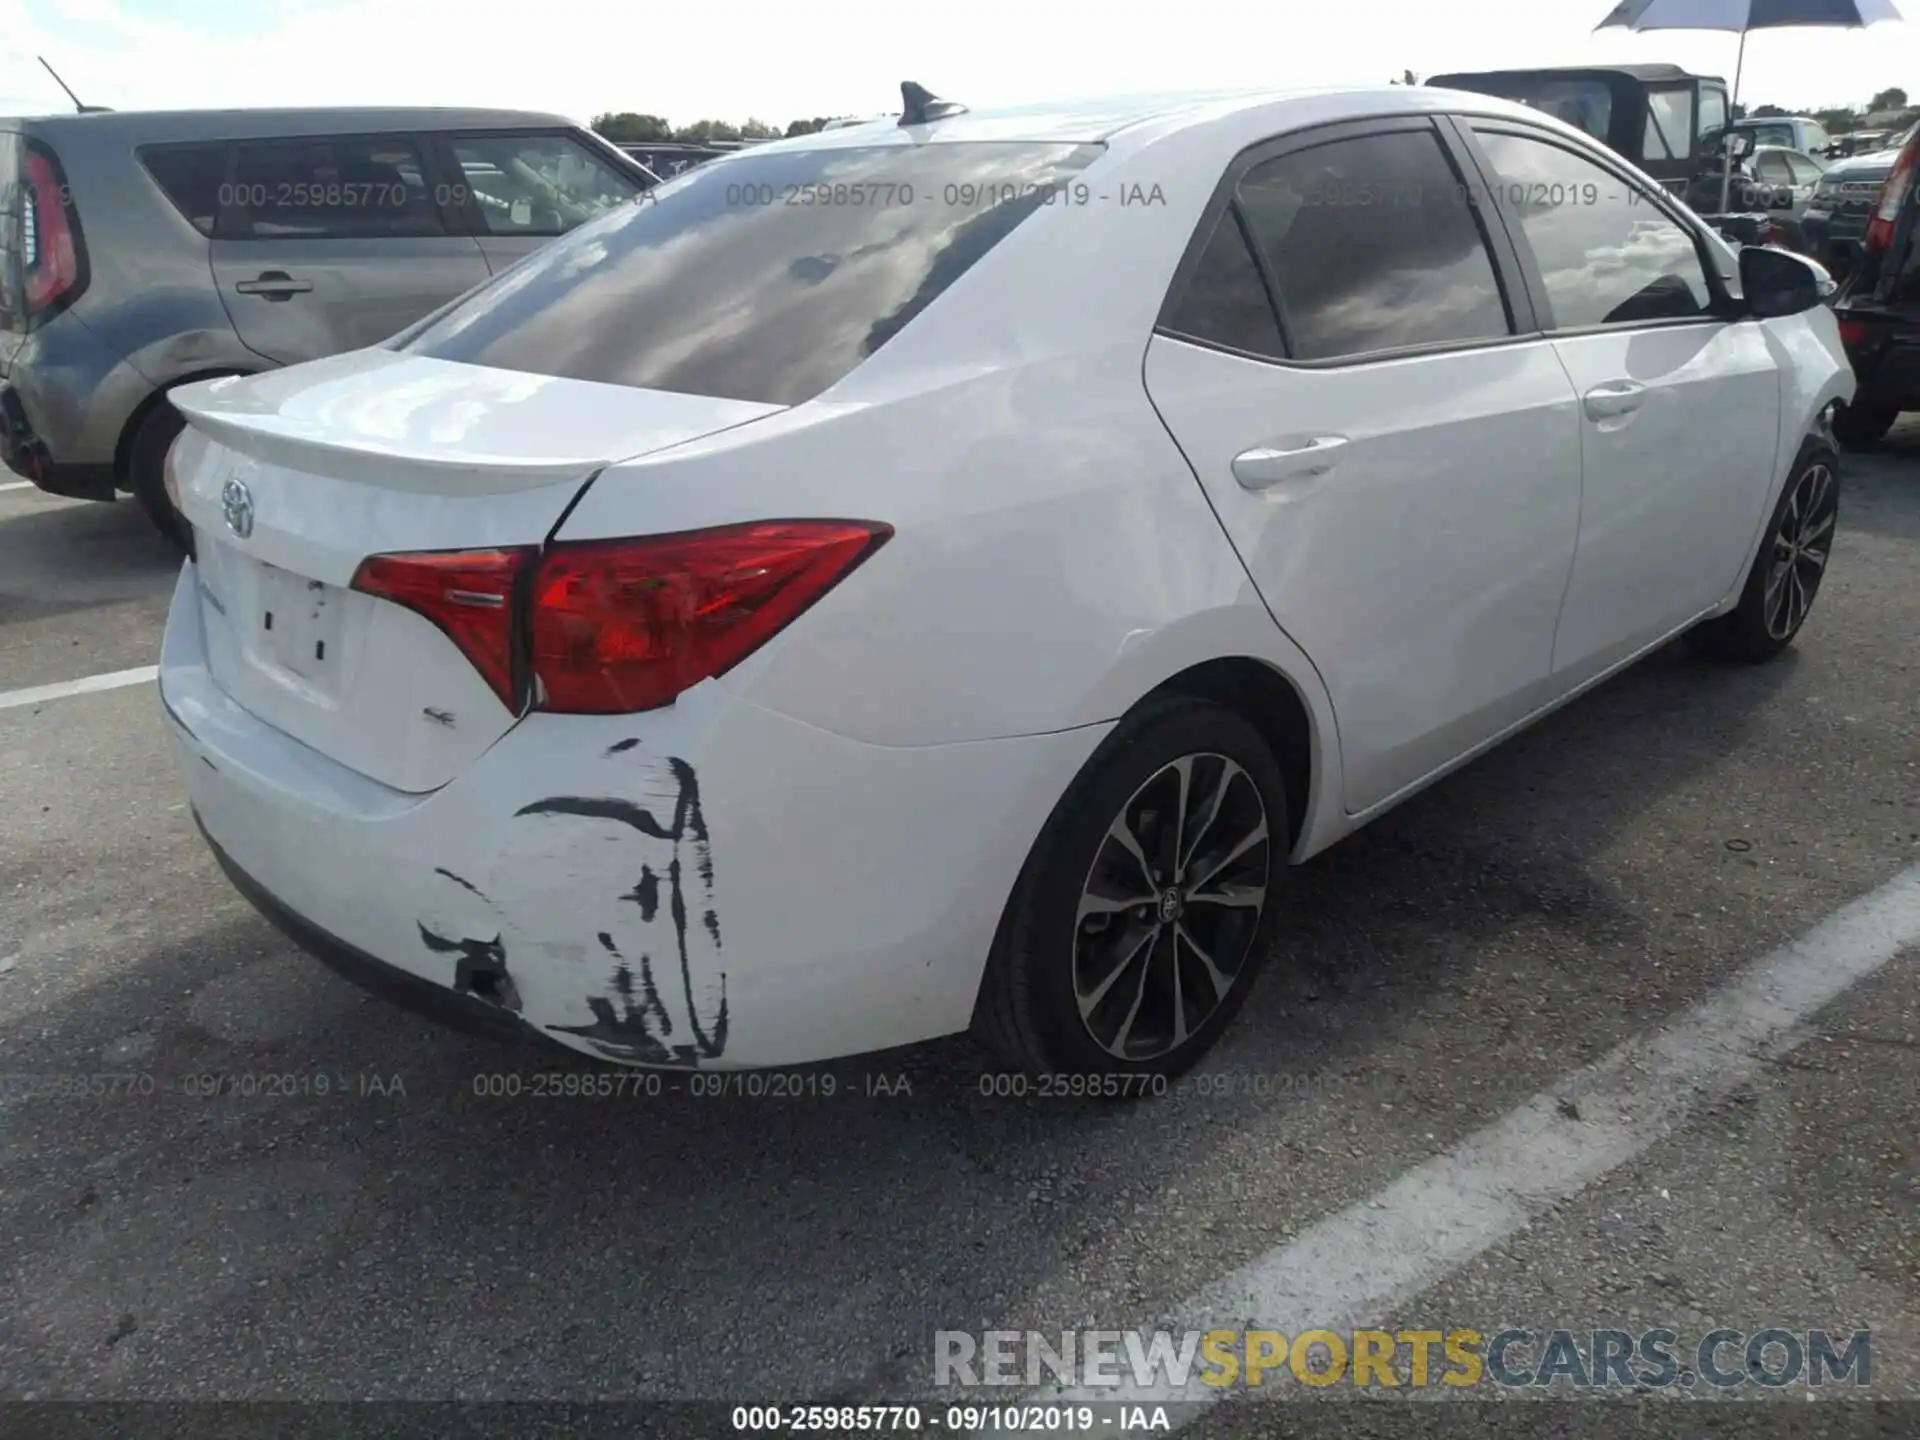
[1779,282]
[1740,143]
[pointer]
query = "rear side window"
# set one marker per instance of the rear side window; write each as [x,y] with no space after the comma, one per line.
[535,184]
[1373,247]
[764,276]
[1226,301]
[190,176]
[353,187]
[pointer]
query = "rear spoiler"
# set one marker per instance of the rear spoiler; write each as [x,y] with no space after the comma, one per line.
[276,440]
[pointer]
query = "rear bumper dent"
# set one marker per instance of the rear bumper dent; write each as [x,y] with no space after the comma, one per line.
[710,885]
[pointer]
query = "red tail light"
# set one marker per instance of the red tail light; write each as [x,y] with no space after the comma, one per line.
[469,594]
[1893,195]
[622,625]
[1852,333]
[55,255]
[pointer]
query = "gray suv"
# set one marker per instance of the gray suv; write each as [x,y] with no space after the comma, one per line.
[139,251]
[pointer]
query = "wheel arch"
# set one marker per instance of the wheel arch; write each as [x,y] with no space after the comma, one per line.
[1237,656]
[123,447]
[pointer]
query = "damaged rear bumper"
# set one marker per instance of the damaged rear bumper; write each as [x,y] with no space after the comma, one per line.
[708,885]
[438,1003]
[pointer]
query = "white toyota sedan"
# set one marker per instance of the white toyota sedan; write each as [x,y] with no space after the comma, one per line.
[942,574]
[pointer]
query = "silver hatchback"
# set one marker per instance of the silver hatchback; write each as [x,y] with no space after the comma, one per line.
[139,251]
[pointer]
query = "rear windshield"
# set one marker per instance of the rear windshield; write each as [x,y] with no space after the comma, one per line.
[765,277]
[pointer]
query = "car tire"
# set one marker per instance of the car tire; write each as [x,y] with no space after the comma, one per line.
[1786,574]
[1095,971]
[1863,423]
[146,470]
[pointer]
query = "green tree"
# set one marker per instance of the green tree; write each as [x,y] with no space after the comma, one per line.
[1767,112]
[1892,98]
[701,131]
[758,130]
[1837,120]
[629,128]
[807,127]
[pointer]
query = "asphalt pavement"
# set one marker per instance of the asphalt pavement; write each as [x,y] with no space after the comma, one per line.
[227,1175]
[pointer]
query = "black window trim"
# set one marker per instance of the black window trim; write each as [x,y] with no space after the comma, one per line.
[454,223]
[1725,308]
[1514,295]
[143,155]
[471,217]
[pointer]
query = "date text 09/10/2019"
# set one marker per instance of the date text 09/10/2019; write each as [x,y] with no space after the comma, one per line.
[1007,1419]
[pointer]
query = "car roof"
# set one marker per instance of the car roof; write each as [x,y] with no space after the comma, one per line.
[1089,121]
[153,126]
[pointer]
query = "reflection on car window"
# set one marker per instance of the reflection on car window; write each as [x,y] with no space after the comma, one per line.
[353,187]
[537,184]
[1226,301]
[1373,247]
[764,276]
[1607,256]
[1772,170]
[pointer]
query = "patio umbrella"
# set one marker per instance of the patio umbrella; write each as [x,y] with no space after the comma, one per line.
[1743,16]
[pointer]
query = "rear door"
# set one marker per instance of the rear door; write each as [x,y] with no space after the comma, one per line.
[1680,407]
[1394,453]
[519,190]
[333,243]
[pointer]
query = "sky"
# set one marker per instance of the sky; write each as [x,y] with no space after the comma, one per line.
[776,60]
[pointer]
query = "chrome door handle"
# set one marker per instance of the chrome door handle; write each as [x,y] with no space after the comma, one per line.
[1267,465]
[274,285]
[1616,397]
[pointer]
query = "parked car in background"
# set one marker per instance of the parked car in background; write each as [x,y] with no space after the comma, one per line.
[733,641]
[145,250]
[1769,180]
[1786,132]
[1860,142]
[669,158]
[1878,307]
[1836,217]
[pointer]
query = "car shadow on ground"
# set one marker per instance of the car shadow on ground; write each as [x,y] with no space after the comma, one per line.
[1880,492]
[61,556]
[821,1236]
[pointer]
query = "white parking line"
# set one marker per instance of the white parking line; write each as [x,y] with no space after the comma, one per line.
[86,685]
[16,485]
[1351,1268]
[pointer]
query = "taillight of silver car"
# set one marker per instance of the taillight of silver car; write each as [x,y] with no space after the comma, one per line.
[613,626]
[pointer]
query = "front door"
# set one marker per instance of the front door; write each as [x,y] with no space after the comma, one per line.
[1397,468]
[1680,408]
[332,244]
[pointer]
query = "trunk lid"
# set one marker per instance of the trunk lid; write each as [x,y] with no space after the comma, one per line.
[291,479]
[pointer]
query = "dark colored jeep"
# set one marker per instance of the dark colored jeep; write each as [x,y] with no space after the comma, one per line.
[1655,115]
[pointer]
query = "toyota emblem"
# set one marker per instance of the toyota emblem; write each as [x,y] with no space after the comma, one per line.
[236,502]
